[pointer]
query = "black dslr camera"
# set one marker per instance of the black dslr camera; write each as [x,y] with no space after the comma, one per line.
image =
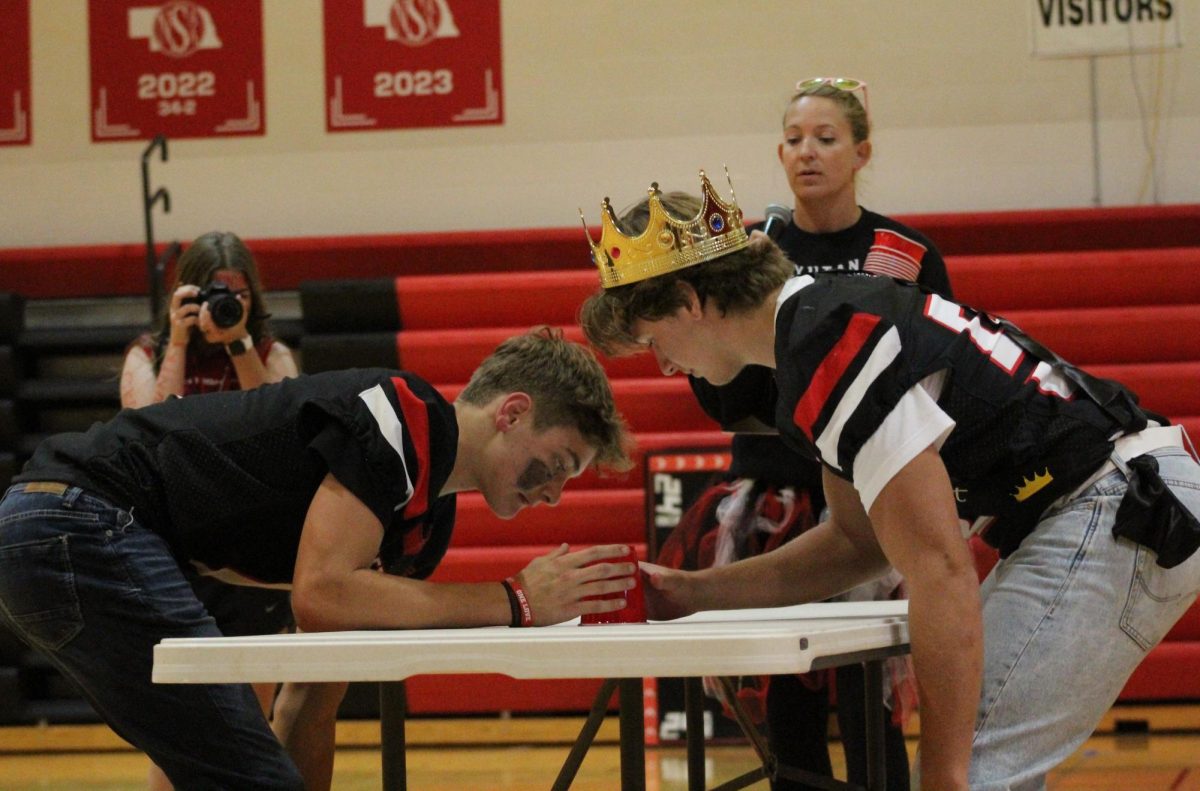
[223,304]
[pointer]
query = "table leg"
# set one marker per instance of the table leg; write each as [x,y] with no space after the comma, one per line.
[876,748]
[393,705]
[761,748]
[633,737]
[570,767]
[693,705]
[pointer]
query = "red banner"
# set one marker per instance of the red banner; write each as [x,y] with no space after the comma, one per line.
[15,129]
[180,68]
[401,64]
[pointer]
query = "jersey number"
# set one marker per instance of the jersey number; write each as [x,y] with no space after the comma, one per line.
[999,348]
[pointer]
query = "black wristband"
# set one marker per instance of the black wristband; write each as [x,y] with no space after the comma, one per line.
[513,605]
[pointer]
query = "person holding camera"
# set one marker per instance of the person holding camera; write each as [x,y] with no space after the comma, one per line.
[214,337]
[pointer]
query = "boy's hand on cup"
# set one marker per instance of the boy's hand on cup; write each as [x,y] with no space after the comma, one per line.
[669,592]
[631,597]
[561,584]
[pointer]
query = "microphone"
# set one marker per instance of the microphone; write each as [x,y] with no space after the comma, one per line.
[777,218]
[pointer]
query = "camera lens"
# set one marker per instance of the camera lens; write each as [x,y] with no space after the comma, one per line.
[225,309]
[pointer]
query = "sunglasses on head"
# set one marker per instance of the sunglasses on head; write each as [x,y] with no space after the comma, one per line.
[845,84]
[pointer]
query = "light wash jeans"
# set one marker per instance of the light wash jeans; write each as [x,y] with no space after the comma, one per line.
[84,583]
[1066,620]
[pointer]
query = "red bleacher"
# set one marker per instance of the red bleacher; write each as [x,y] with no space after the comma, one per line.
[285,263]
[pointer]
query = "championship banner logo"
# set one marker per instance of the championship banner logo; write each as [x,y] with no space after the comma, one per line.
[401,64]
[180,68]
[411,23]
[177,29]
[15,128]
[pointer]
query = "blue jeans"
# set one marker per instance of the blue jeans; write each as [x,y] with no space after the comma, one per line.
[1066,620]
[93,590]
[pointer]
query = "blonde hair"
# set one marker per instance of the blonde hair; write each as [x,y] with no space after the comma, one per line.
[852,108]
[567,385]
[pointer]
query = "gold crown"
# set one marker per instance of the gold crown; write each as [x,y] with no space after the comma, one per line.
[667,244]
[1029,488]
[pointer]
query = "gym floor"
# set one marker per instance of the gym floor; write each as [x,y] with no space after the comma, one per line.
[468,755]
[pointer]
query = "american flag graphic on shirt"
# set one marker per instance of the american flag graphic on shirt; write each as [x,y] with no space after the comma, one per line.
[894,255]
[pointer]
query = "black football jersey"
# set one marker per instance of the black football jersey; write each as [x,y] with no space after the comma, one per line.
[848,349]
[227,478]
[875,244]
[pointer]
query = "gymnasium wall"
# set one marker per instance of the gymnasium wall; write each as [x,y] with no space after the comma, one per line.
[602,97]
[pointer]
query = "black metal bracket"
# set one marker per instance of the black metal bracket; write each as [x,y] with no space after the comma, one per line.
[154,265]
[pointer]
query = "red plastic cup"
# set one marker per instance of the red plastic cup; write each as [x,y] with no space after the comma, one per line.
[634,610]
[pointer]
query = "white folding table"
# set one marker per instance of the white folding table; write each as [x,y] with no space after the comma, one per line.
[722,643]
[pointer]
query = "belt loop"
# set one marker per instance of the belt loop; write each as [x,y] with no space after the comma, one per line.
[70,496]
[1120,463]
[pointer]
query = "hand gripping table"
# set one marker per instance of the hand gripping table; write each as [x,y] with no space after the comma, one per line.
[725,644]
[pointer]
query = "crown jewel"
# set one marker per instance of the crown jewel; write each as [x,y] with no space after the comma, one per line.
[667,244]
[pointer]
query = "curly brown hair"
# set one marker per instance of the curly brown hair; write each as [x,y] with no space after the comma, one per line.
[737,282]
[567,385]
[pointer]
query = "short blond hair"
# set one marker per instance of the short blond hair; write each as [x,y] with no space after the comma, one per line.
[568,387]
[851,107]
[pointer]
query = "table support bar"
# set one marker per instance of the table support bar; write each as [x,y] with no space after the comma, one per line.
[393,708]
[693,706]
[633,735]
[876,769]
[587,734]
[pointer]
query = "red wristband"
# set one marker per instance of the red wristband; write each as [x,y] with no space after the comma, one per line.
[522,602]
[514,607]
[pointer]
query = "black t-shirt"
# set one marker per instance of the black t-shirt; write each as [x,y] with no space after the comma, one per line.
[227,478]
[875,244]
[849,348]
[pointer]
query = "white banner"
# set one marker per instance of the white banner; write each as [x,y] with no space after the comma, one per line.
[1073,28]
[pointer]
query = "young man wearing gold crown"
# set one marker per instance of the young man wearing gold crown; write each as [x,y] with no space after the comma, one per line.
[923,411]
